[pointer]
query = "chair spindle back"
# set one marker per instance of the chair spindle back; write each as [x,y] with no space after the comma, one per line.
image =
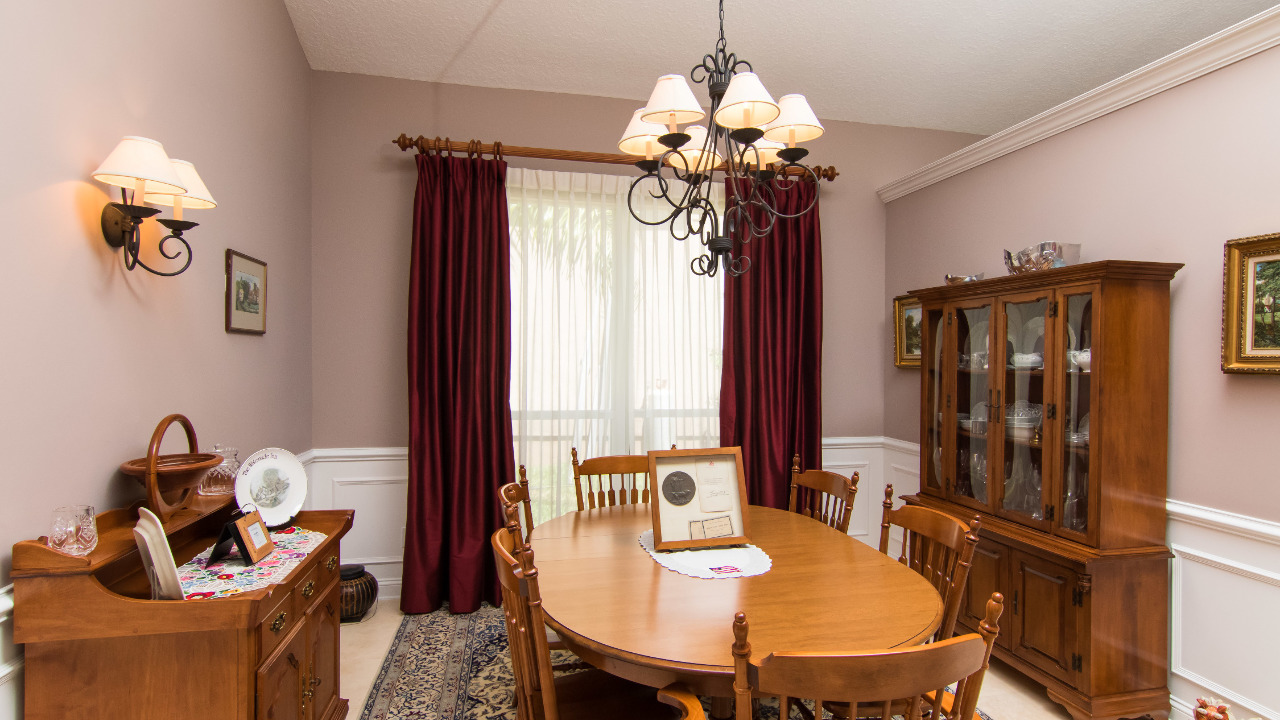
[938,547]
[824,496]
[903,682]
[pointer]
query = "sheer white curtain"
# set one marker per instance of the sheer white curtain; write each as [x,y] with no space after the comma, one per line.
[616,345]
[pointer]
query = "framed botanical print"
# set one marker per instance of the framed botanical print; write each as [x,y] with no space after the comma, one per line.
[246,301]
[1250,301]
[908,333]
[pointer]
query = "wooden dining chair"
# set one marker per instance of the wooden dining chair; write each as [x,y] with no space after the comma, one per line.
[906,683]
[937,546]
[541,693]
[611,480]
[824,496]
[517,493]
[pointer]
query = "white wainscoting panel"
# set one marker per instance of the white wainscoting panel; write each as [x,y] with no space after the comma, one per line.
[1224,629]
[374,483]
[10,660]
[878,461]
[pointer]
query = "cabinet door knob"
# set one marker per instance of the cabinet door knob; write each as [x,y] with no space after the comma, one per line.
[333,562]
[309,589]
[278,624]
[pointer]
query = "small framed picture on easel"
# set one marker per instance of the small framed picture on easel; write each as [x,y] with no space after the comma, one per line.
[248,534]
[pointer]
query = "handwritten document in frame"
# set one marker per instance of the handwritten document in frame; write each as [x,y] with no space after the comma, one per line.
[700,499]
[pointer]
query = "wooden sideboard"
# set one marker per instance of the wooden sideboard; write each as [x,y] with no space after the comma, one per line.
[1044,410]
[97,646]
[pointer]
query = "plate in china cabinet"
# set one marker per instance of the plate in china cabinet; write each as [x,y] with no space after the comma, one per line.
[273,481]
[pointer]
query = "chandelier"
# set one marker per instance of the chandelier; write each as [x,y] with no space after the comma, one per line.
[750,138]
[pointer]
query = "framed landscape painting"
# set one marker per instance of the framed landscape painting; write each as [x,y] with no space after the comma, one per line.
[1250,300]
[246,300]
[908,336]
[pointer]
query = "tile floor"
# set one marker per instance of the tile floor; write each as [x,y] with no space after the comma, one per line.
[1006,695]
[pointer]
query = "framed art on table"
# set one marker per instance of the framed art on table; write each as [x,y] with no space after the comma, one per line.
[699,498]
[908,333]
[246,298]
[1250,299]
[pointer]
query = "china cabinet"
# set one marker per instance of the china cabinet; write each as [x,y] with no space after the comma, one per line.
[97,646]
[1044,410]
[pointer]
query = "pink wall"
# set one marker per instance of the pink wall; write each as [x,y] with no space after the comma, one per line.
[1169,179]
[362,198]
[93,356]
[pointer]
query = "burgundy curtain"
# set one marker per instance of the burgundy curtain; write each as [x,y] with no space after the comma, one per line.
[771,389]
[460,449]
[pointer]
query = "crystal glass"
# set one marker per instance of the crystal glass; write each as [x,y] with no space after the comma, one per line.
[221,479]
[74,530]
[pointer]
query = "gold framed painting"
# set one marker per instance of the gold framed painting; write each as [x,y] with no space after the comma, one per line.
[699,498]
[246,298]
[908,332]
[1250,302]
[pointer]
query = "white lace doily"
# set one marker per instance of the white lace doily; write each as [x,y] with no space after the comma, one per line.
[710,564]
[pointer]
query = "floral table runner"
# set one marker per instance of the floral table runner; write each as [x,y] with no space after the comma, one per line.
[230,575]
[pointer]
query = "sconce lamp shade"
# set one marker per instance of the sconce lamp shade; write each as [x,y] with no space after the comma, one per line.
[640,137]
[746,103]
[693,152]
[796,123]
[139,158]
[672,103]
[197,195]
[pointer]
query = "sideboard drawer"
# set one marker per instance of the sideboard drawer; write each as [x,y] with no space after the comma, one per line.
[277,623]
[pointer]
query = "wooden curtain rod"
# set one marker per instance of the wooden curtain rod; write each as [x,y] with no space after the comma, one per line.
[497,149]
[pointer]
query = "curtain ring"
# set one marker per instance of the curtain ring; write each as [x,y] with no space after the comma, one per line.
[497,150]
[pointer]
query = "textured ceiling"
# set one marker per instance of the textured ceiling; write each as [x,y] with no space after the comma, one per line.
[975,66]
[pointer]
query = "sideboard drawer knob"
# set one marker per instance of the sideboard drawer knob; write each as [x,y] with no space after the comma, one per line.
[333,562]
[309,589]
[278,624]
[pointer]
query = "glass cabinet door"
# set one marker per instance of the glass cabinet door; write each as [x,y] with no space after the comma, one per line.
[1022,396]
[1075,363]
[935,393]
[969,460]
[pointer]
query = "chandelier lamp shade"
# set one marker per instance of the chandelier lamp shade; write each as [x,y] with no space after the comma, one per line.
[748,137]
[141,165]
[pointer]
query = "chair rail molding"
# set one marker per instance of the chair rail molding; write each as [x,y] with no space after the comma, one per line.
[1248,37]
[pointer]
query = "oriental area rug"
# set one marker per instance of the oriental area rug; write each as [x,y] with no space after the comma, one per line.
[443,666]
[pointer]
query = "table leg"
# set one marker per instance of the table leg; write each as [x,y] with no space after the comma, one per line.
[722,708]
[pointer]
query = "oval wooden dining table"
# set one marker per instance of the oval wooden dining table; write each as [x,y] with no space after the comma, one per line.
[619,610]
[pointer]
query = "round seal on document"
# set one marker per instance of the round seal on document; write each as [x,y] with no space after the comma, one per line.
[678,488]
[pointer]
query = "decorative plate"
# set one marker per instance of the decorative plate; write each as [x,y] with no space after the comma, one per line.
[273,481]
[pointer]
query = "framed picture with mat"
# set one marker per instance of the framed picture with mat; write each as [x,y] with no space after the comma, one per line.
[248,534]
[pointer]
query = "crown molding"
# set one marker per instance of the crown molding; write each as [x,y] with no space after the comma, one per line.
[1248,37]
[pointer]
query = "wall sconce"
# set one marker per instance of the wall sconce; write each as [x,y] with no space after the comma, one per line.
[141,165]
